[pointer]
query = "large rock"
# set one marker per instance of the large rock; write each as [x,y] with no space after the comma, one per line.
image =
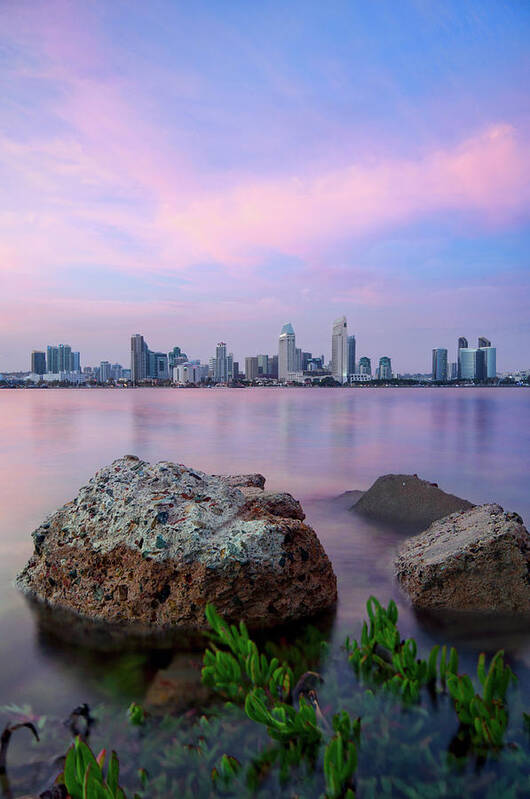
[409,501]
[151,544]
[475,560]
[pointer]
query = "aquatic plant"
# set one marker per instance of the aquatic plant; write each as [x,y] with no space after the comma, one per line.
[382,658]
[83,774]
[243,667]
[484,717]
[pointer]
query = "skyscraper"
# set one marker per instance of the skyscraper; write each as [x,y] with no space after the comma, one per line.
[286,352]
[351,355]
[104,372]
[365,366]
[439,365]
[222,366]
[52,359]
[462,345]
[38,362]
[490,357]
[64,355]
[339,350]
[251,368]
[385,368]
[75,362]
[138,358]
[471,363]
[263,364]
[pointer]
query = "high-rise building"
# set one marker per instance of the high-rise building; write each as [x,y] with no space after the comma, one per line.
[454,370]
[157,365]
[176,356]
[471,363]
[287,356]
[385,368]
[351,355]
[116,371]
[52,359]
[463,343]
[251,368]
[138,358]
[235,369]
[263,364]
[365,366]
[38,362]
[490,357]
[306,357]
[273,366]
[104,372]
[64,355]
[75,362]
[339,350]
[223,364]
[439,365]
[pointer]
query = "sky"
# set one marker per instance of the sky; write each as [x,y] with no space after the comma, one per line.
[209,171]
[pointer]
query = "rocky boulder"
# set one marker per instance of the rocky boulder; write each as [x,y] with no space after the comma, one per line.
[407,500]
[150,544]
[474,560]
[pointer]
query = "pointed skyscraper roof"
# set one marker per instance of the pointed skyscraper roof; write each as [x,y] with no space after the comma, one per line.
[287,330]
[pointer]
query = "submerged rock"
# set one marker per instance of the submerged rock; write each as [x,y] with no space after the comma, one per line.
[474,560]
[407,500]
[151,544]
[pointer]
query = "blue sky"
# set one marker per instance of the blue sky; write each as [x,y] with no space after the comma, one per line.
[209,171]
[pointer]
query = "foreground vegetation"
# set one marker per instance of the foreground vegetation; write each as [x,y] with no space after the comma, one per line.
[385,722]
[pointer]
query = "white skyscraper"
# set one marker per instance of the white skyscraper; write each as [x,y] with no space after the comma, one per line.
[287,356]
[339,350]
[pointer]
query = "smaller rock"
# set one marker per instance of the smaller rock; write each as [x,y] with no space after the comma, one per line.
[409,501]
[473,560]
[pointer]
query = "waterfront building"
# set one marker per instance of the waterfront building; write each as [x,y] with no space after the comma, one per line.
[176,356]
[64,355]
[104,372]
[339,350]
[38,362]
[263,364]
[125,374]
[306,358]
[190,373]
[454,370]
[287,355]
[358,377]
[116,371]
[463,344]
[365,366]
[52,359]
[138,358]
[75,362]
[222,364]
[439,365]
[385,368]
[251,368]
[351,355]
[490,357]
[471,363]
[157,365]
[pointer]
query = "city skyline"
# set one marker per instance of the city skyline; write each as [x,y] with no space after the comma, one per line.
[172,169]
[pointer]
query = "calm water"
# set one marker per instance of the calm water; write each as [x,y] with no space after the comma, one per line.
[316,444]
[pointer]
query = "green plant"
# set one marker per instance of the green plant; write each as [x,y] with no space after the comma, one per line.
[485,716]
[235,672]
[340,757]
[383,658]
[83,774]
[136,714]
[284,722]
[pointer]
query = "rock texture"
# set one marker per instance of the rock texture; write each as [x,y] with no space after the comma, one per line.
[409,501]
[474,560]
[151,544]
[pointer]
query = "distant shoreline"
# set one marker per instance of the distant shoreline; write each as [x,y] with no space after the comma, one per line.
[224,388]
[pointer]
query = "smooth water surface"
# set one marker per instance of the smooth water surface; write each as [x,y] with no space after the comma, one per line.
[315,443]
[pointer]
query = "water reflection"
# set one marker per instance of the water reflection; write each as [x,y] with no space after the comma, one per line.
[314,443]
